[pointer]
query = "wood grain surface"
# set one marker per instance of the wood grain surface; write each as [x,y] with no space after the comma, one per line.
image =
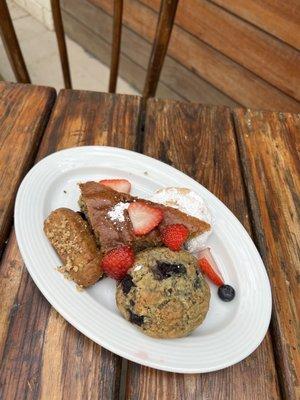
[267,57]
[269,143]
[90,26]
[116,45]
[43,356]
[239,83]
[163,32]
[24,112]
[61,42]
[100,47]
[200,141]
[11,44]
[279,18]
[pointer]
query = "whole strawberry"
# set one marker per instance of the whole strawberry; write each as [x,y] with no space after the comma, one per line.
[174,236]
[116,262]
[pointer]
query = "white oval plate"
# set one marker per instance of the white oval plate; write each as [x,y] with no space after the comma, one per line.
[230,332]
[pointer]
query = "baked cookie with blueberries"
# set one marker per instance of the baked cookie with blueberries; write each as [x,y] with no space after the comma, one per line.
[164,293]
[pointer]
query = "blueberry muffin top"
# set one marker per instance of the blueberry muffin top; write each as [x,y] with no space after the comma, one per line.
[164,293]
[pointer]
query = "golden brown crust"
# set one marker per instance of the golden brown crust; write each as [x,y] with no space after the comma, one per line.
[166,307]
[72,239]
[96,200]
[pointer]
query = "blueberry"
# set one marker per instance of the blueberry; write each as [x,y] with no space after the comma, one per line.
[226,292]
[165,270]
[136,319]
[127,283]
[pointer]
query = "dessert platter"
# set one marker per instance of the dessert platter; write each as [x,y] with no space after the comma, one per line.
[142,259]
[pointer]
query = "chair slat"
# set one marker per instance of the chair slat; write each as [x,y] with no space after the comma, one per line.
[162,36]
[61,42]
[116,44]
[11,44]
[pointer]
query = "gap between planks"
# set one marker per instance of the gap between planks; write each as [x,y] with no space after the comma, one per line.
[139,146]
[251,225]
[31,158]
[255,237]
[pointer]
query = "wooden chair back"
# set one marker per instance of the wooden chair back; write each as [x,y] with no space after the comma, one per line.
[11,45]
[159,49]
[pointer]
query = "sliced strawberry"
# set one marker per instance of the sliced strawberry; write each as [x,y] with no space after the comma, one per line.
[120,185]
[144,217]
[116,262]
[209,267]
[173,236]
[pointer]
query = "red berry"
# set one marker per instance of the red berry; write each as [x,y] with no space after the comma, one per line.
[116,262]
[144,217]
[209,271]
[120,185]
[173,236]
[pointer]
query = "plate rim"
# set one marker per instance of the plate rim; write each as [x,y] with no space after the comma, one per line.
[78,324]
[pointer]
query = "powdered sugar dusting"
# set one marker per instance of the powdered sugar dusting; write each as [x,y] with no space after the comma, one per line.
[184,200]
[197,243]
[116,213]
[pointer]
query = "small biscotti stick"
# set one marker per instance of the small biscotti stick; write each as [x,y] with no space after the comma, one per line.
[72,239]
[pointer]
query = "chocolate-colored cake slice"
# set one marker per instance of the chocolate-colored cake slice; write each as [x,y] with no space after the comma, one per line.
[106,211]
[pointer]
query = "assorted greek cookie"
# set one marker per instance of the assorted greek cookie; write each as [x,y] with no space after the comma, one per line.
[149,247]
[73,241]
[164,293]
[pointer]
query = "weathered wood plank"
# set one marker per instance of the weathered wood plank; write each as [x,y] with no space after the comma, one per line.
[95,44]
[43,357]
[92,28]
[280,18]
[61,42]
[11,44]
[200,141]
[237,82]
[160,44]
[24,112]
[270,147]
[116,43]
[250,47]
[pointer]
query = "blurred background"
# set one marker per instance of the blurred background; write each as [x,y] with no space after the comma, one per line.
[230,52]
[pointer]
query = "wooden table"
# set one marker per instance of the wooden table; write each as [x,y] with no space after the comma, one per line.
[249,159]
